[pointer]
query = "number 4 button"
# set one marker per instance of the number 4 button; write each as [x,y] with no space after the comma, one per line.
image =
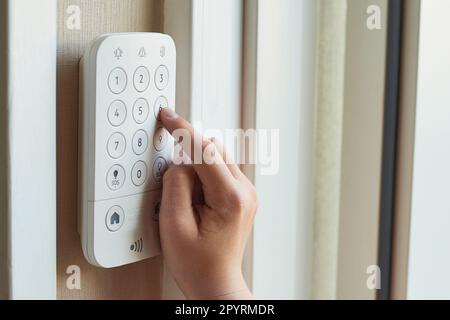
[117,113]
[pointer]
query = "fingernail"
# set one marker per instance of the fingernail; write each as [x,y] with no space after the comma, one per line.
[169,113]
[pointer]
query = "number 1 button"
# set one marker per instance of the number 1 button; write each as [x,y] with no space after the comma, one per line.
[117,81]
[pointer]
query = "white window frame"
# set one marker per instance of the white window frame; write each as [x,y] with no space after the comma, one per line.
[208,35]
[428,259]
[28,190]
[279,94]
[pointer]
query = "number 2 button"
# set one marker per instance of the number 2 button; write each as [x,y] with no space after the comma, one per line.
[141,79]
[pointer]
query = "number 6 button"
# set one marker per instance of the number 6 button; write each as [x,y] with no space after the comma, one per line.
[116,145]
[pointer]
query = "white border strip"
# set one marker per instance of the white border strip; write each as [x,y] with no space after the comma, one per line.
[429,256]
[31,149]
[208,36]
[285,75]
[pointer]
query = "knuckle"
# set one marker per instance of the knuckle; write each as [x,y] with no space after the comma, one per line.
[243,200]
[236,202]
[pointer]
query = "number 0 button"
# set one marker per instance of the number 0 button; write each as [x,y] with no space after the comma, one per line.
[141,79]
[161,77]
[117,113]
[140,142]
[139,173]
[117,81]
[140,110]
[116,145]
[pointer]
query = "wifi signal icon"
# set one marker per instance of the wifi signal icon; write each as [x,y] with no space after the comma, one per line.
[137,246]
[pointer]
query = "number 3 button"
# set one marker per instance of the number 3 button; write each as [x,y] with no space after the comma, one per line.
[161,77]
[140,142]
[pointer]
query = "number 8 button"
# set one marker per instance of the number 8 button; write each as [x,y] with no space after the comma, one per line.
[140,142]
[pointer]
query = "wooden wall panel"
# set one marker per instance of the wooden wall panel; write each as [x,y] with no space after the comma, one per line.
[137,281]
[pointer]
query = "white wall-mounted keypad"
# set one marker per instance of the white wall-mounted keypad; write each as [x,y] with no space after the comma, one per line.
[125,80]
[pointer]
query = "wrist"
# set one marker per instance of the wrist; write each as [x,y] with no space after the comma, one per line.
[227,287]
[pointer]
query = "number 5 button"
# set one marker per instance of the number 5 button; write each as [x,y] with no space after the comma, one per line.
[116,145]
[140,110]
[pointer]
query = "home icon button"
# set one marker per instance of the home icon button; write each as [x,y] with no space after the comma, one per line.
[115,218]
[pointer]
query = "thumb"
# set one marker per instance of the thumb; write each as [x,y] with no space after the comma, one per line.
[177,216]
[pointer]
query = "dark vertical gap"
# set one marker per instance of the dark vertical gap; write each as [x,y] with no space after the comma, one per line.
[5,245]
[387,200]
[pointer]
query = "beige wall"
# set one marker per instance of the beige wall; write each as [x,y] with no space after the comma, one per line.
[348,144]
[137,281]
[328,141]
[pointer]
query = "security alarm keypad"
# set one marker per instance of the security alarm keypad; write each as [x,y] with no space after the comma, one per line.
[125,80]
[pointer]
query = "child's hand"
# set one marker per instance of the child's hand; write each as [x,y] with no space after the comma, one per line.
[206,216]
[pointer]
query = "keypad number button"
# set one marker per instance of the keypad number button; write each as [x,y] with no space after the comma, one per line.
[117,113]
[159,167]
[139,173]
[162,77]
[140,110]
[117,81]
[116,145]
[115,177]
[140,142]
[160,139]
[141,79]
[160,104]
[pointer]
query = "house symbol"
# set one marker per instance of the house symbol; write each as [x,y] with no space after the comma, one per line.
[115,218]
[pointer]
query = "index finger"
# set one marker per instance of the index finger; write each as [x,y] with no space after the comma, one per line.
[207,161]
